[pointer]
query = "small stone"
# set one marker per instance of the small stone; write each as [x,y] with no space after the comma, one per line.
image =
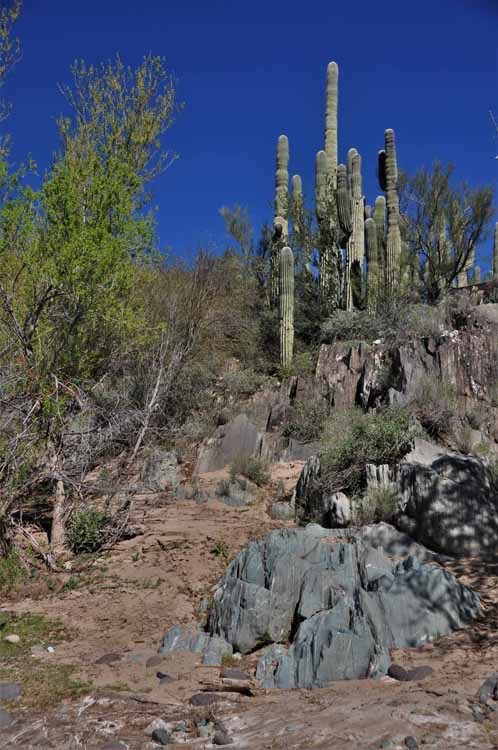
[154,661]
[108,659]
[51,649]
[397,672]
[156,724]
[114,746]
[5,719]
[205,699]
[386,744]
[180,726]
[164,679]
[221,738]
[161,736]
[234,674]
[420,673]
[9,691]
[12,638]
[411,743]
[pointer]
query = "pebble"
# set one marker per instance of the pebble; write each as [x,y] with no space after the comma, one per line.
[164,679]
[5,719]
[411,743]
[161,736]
[205,730]
[51,649]
[12,638]
[114,746]
[221,738]
[386,744]
[38,649]
[180,726]
[10,690]
[234,674]
[154,661]
[156,724]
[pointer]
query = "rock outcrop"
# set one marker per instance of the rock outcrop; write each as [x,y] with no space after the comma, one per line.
[212,649]
[450,505]
[340,603]
[369,374]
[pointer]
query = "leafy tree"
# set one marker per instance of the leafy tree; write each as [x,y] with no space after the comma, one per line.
[443,224]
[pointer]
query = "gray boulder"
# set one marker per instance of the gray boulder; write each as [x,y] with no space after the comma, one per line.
[340,603]
[239,437]
[160,471]
[450,505]
[212,648]
[238,493]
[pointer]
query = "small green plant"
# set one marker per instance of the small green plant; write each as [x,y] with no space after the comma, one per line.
[353,438]
[380,504]
[71,584]
[135,556]
[12,572]
[86,531]
[220,549]
[253,468]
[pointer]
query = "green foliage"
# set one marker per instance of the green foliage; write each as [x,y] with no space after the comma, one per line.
[253,468]
[86,531]
[32,629]
[380,504]
[220,549]
[12,572]
[352,438]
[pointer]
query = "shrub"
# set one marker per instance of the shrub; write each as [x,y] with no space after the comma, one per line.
[253,468]
[353,438]
[12,572]
[305,421]
[380,504]
[434,403]
[86,531]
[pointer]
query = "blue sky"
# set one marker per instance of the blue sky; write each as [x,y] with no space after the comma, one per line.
[248,71]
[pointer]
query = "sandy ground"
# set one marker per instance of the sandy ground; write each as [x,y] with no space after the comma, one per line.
[158,579]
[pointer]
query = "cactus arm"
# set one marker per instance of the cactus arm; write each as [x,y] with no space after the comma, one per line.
[331,108]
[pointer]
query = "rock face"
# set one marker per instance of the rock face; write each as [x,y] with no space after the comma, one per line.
[370,374]
[339,603]
[160,470]
[213,649]
[240,437]
[450,505]
[313,505]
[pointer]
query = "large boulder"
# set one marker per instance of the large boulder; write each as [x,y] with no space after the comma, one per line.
[212,649]
[450,505]
[339,603]
[239,437]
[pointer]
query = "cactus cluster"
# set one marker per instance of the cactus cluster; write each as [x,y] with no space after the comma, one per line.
[359,249]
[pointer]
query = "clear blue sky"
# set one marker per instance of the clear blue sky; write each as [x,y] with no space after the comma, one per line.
[249,71]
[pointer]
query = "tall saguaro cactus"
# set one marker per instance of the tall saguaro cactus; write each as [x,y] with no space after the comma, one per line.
[331,108]
[286,278]
[495,254]
[372,255]
[280,221]
[356,243]
[393,238]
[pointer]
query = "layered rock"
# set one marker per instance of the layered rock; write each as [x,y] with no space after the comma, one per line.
[340,603]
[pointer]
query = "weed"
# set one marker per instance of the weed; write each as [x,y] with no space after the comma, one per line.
[12,572]
[220,549]
[135,556]
[86,532]
[253,468]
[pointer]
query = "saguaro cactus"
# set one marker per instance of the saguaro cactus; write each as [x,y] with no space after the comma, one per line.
[356,243]
[280,221]
[331,108]
[393,238]
[495,254]
[372,254]
[286,278]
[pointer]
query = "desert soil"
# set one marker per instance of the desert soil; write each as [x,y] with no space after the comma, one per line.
[122,607]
